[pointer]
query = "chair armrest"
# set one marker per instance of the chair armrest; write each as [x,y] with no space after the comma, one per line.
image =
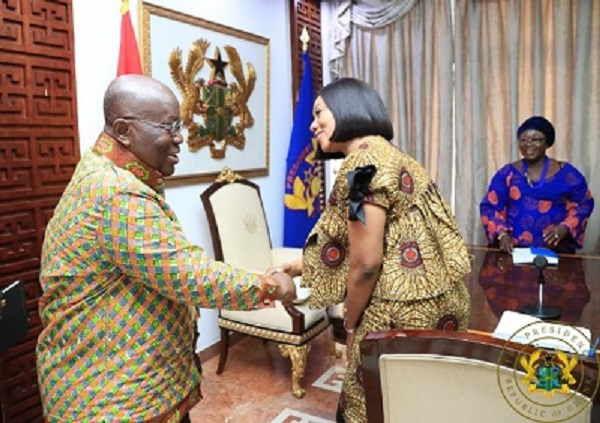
[290,319]
[283,255]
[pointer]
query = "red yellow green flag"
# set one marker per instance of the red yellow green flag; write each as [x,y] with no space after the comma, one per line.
[129,55]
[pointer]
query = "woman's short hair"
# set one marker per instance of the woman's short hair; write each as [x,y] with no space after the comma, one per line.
[358,111]
[539,123]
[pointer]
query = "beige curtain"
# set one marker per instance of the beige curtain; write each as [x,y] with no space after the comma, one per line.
[514,59]
[404,49]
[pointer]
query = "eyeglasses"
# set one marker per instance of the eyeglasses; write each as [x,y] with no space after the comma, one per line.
[172,128]
[532,140]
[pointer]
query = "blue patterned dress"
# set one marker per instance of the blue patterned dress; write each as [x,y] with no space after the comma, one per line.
[527,211]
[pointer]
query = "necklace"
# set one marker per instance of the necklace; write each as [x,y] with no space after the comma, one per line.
[540,183]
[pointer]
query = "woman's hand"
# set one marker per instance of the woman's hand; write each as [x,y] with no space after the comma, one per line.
[505,242]
[554,236]
[292,268]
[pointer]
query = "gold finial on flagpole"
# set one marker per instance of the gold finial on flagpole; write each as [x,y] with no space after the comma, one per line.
[124,6]
[304,37]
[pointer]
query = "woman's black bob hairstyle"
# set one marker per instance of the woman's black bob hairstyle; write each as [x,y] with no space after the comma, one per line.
[358,111]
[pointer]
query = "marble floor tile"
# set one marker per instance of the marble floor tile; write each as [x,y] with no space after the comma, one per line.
[331,380]
[294,416]
[256,386]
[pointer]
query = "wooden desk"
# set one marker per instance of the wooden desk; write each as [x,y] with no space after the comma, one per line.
[496,284]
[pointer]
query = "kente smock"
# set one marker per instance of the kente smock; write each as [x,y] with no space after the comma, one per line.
[121,283]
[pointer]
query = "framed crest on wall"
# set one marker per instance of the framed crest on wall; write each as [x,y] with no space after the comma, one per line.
[221,77]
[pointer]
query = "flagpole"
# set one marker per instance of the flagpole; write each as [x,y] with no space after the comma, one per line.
[320,167]
[302,206]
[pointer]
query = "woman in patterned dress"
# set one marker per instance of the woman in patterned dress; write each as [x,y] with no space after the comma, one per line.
[387,244]
[536,201]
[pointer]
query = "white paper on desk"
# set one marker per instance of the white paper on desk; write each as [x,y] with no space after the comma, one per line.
[519,328]
[526,255]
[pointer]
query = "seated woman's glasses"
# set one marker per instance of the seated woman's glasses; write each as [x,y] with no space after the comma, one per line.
[532,140]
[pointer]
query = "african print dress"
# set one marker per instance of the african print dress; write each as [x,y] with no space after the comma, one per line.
[527,211]
[425,258]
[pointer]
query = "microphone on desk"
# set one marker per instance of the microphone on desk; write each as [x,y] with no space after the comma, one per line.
[541,263]
[540,310]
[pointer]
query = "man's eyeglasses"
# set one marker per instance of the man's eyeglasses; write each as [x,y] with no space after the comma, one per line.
[532,140]
[172,128]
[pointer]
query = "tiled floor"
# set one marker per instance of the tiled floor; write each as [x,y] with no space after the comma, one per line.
[256,386]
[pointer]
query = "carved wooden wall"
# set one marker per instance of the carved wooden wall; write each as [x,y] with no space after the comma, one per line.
[39,149]
[306,13]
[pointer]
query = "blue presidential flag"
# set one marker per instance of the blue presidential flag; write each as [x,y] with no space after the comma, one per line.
[304,176]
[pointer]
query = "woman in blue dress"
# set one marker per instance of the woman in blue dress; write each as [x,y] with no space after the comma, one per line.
[537,201]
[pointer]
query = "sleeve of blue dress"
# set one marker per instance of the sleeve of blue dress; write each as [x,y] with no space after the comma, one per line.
[580,205]
[494,205]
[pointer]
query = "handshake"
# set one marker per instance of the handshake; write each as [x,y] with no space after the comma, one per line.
[280,286]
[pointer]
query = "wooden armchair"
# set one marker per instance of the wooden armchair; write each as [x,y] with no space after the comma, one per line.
[240,236]
[425,376]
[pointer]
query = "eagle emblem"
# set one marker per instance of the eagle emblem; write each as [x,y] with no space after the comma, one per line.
[546,375]
[221,106]
[306,187]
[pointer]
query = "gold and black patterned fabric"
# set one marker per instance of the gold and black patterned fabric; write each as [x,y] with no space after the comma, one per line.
[425,257]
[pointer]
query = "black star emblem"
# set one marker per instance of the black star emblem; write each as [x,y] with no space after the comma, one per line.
[218,67]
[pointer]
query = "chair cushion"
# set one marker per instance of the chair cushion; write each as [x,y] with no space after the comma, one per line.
[302,294]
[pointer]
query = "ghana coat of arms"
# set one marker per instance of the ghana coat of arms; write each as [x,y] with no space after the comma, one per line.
[547,375]
[221,106]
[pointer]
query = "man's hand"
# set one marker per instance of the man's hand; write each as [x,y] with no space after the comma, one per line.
[286,289]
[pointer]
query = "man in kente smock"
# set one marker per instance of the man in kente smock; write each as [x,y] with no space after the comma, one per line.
[121,282]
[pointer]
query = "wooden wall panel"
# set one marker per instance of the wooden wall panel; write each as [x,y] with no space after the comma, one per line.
[306,13]
[35,91]
[39,149]
[36,162]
